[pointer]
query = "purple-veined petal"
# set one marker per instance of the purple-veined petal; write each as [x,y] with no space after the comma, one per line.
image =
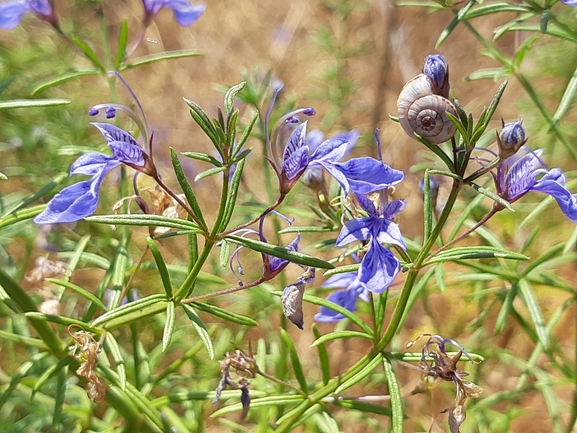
[123,145]
[553,183]
[343,280]
[345,298]
[91,163]
[387,232]
[378,268]
[366,174]
[358,229]
[113,133]
[521,176]
[11,13]
[367,205]
[297,140]
[128,153]
[185,12]
[332,150]
[335,172]
[393,208]
[296,163]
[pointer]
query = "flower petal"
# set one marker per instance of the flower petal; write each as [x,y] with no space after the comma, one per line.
[276,263]
[358,229]
[366,174]
[343,280]
[378,268]
[553,183]
[92,163]
[42,8]
[124,147]
[332,149]
[185,12]
[345,298]
[11,13]
[296,163]
[387,232]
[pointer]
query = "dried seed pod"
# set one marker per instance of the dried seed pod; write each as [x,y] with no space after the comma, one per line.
[424,113]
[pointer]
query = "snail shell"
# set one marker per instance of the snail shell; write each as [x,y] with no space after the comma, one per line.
[424,113]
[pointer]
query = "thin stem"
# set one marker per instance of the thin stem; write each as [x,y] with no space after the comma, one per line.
[223,292]
[180,202]
[486,218]
[223,202]
[188,284]
[135,42]
[254,220]
[280,382]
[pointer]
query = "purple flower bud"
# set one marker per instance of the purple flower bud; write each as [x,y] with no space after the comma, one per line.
[93,111]
[511,138]
[110,113]
[437,70]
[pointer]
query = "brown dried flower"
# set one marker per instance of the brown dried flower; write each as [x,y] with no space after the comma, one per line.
[437,364]
[85,350]
[45,268]
[245,368]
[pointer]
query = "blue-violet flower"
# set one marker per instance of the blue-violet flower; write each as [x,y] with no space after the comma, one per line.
[517,175]
[346,298]
[185,12]
[379,266]
[81,199]
[11,12]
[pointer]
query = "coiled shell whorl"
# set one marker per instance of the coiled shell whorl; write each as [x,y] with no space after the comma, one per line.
[424,113]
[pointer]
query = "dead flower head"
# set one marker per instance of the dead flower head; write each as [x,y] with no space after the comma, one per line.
[437,364]
[85,350]
[245,368]
[44,268]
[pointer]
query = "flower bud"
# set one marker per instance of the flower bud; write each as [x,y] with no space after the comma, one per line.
[437,70]
[511,138]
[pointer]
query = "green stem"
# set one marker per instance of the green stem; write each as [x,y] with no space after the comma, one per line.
[392,327]
[188,284]
[222,206]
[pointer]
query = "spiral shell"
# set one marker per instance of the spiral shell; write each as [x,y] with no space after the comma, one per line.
[424,113]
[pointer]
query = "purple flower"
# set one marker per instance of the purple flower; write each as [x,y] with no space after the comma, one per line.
[11,12]
[379,266]
[81,199]
[437,70]
[516,176]
[184,11]
[570,2]
[345,298]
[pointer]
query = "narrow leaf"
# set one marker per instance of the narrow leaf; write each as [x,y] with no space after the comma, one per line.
[203,157]
[232,194]
[82,292]
[153,58]
[398,413]
[33,103]
[145,220]
[280,252]
[566,101]
[224,253]
[113,349]
[169,325]
[201,118]
[294,357]
[323,356]
[229,97]
[458,18]
[161,266]
[336,335]
[209,172]
[348,314]
[526,292]
[59,400]
[200,329]
[131,307]
[62,78]
[225,314]
[121,48]
[88,52]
